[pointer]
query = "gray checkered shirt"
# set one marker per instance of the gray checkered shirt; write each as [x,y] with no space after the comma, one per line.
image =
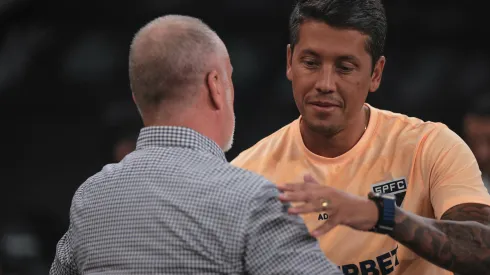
[176,206]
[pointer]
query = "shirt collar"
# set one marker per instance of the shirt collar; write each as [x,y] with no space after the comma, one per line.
[174,136]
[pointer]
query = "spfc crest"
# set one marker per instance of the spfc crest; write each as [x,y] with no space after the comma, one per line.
[397,188]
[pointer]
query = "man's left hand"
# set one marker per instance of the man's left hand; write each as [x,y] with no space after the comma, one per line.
[343,208]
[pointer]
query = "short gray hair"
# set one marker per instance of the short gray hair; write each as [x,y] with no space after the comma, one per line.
[168,58]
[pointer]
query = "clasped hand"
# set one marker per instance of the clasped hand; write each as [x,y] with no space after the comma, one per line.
[343,208]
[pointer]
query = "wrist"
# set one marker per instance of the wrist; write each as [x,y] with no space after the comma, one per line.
[371,214]
[386,205]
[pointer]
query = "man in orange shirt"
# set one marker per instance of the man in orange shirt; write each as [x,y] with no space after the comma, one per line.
[434,210]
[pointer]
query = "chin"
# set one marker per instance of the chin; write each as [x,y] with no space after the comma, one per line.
[322,126]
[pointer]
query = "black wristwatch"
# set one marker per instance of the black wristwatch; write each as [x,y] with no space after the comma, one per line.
[386,206]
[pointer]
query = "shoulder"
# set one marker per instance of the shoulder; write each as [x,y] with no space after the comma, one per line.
[433,142]
[415,130]
[236,189]
[266,147]
[243,181]
[92,183]
[429,134]
[405,123]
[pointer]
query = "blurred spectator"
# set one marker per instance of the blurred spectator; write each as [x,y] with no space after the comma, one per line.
[123,124]
[21,250]
[477,134]
[124,145]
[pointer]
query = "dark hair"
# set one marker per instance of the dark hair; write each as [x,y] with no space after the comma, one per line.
[365,16]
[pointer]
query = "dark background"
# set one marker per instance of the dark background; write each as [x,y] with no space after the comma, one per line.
[65,100]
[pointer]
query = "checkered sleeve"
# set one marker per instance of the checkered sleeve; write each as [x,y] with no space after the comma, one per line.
[279,243]
[63,263]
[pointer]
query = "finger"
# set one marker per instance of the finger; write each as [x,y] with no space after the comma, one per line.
[291,186]
[324,228]
[312,207]
[305,208]
[307,185]
[298,196]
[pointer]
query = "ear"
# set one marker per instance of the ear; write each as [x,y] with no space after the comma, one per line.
[377,74]
[289,60]
[215,90]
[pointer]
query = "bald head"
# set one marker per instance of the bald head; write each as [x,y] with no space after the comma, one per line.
[169,58]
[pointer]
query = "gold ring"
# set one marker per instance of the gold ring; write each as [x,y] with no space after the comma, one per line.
[325,204]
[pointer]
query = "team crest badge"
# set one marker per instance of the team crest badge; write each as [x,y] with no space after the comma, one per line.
[397,188]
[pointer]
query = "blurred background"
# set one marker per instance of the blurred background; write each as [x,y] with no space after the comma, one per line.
[66,108]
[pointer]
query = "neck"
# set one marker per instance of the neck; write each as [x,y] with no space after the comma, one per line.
[197,121]
[338,144]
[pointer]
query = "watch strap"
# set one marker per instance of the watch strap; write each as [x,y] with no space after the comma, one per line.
[386,208]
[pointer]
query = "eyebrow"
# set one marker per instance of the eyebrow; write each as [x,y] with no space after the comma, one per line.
[309,52]
[350,58]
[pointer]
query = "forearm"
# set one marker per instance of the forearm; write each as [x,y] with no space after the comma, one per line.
[459,246]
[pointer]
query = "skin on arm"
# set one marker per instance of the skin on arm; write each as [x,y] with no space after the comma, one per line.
[460,242]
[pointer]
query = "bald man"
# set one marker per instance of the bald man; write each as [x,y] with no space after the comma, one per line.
[175,205]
